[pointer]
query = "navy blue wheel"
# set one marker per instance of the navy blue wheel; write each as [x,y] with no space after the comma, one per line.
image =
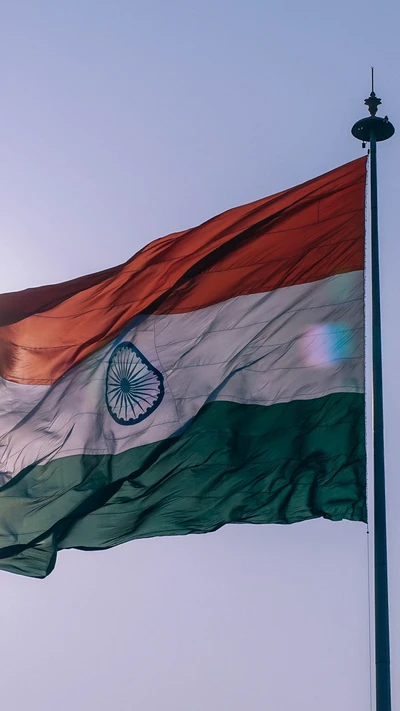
[134,388]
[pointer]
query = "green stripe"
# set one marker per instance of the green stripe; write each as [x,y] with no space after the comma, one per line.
[234,463]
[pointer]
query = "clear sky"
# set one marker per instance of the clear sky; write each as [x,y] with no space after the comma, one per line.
[121,121]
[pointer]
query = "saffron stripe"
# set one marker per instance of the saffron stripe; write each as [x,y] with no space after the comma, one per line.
[301,235]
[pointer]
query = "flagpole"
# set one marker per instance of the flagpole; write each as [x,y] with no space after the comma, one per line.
[372,130]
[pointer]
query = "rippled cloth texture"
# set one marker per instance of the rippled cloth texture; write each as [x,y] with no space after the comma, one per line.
[217,377]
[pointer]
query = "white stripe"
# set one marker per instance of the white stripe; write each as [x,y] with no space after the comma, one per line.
[297,342]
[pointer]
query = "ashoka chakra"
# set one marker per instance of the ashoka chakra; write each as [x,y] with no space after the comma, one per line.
[134,388]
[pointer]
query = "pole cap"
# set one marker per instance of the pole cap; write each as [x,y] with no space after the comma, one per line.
[381,128]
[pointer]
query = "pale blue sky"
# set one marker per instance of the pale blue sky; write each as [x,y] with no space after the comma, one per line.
[121,121]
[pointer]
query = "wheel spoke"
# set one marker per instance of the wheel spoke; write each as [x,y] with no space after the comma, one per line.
[133,386]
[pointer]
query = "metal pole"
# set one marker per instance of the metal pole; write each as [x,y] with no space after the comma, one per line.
[374,129]
[382,642]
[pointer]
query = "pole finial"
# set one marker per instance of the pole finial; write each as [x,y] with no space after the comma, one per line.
[381,127]
[372,102]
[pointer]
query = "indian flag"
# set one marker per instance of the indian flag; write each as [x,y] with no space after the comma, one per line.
[216,377]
